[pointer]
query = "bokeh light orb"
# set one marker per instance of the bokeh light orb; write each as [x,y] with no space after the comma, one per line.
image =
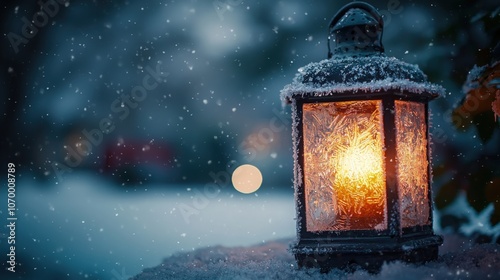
[246,178]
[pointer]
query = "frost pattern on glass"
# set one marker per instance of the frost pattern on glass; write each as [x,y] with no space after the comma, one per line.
[344,178]
[411,149]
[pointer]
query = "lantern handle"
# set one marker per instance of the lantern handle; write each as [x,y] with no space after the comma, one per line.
[356,4]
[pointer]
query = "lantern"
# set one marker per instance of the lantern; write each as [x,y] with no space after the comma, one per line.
[361,150]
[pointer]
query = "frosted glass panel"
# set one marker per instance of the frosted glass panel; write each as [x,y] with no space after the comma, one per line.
[412,163]
[344,179]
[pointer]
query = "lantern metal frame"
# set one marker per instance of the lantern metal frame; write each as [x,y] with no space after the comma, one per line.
[368,249]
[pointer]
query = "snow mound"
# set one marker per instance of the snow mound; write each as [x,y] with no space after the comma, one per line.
[271,260]
[472,81]
[474,77]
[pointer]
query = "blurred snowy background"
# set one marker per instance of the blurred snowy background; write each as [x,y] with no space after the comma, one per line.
[96,206]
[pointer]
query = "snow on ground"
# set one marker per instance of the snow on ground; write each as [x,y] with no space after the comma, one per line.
[459,259]
[84,229]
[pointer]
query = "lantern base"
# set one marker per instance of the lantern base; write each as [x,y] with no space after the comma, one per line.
[369,255]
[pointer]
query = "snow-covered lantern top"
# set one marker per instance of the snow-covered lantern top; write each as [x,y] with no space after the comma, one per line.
[361,150]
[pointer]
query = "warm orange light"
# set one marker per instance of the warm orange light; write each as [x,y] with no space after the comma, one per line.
[358,165]
[246,178]
[343,166]
[413,164]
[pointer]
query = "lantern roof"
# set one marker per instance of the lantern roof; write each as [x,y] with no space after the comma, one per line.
[359,75]
[358,64]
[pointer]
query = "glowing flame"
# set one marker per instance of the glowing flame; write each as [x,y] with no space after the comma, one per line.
[359,165]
